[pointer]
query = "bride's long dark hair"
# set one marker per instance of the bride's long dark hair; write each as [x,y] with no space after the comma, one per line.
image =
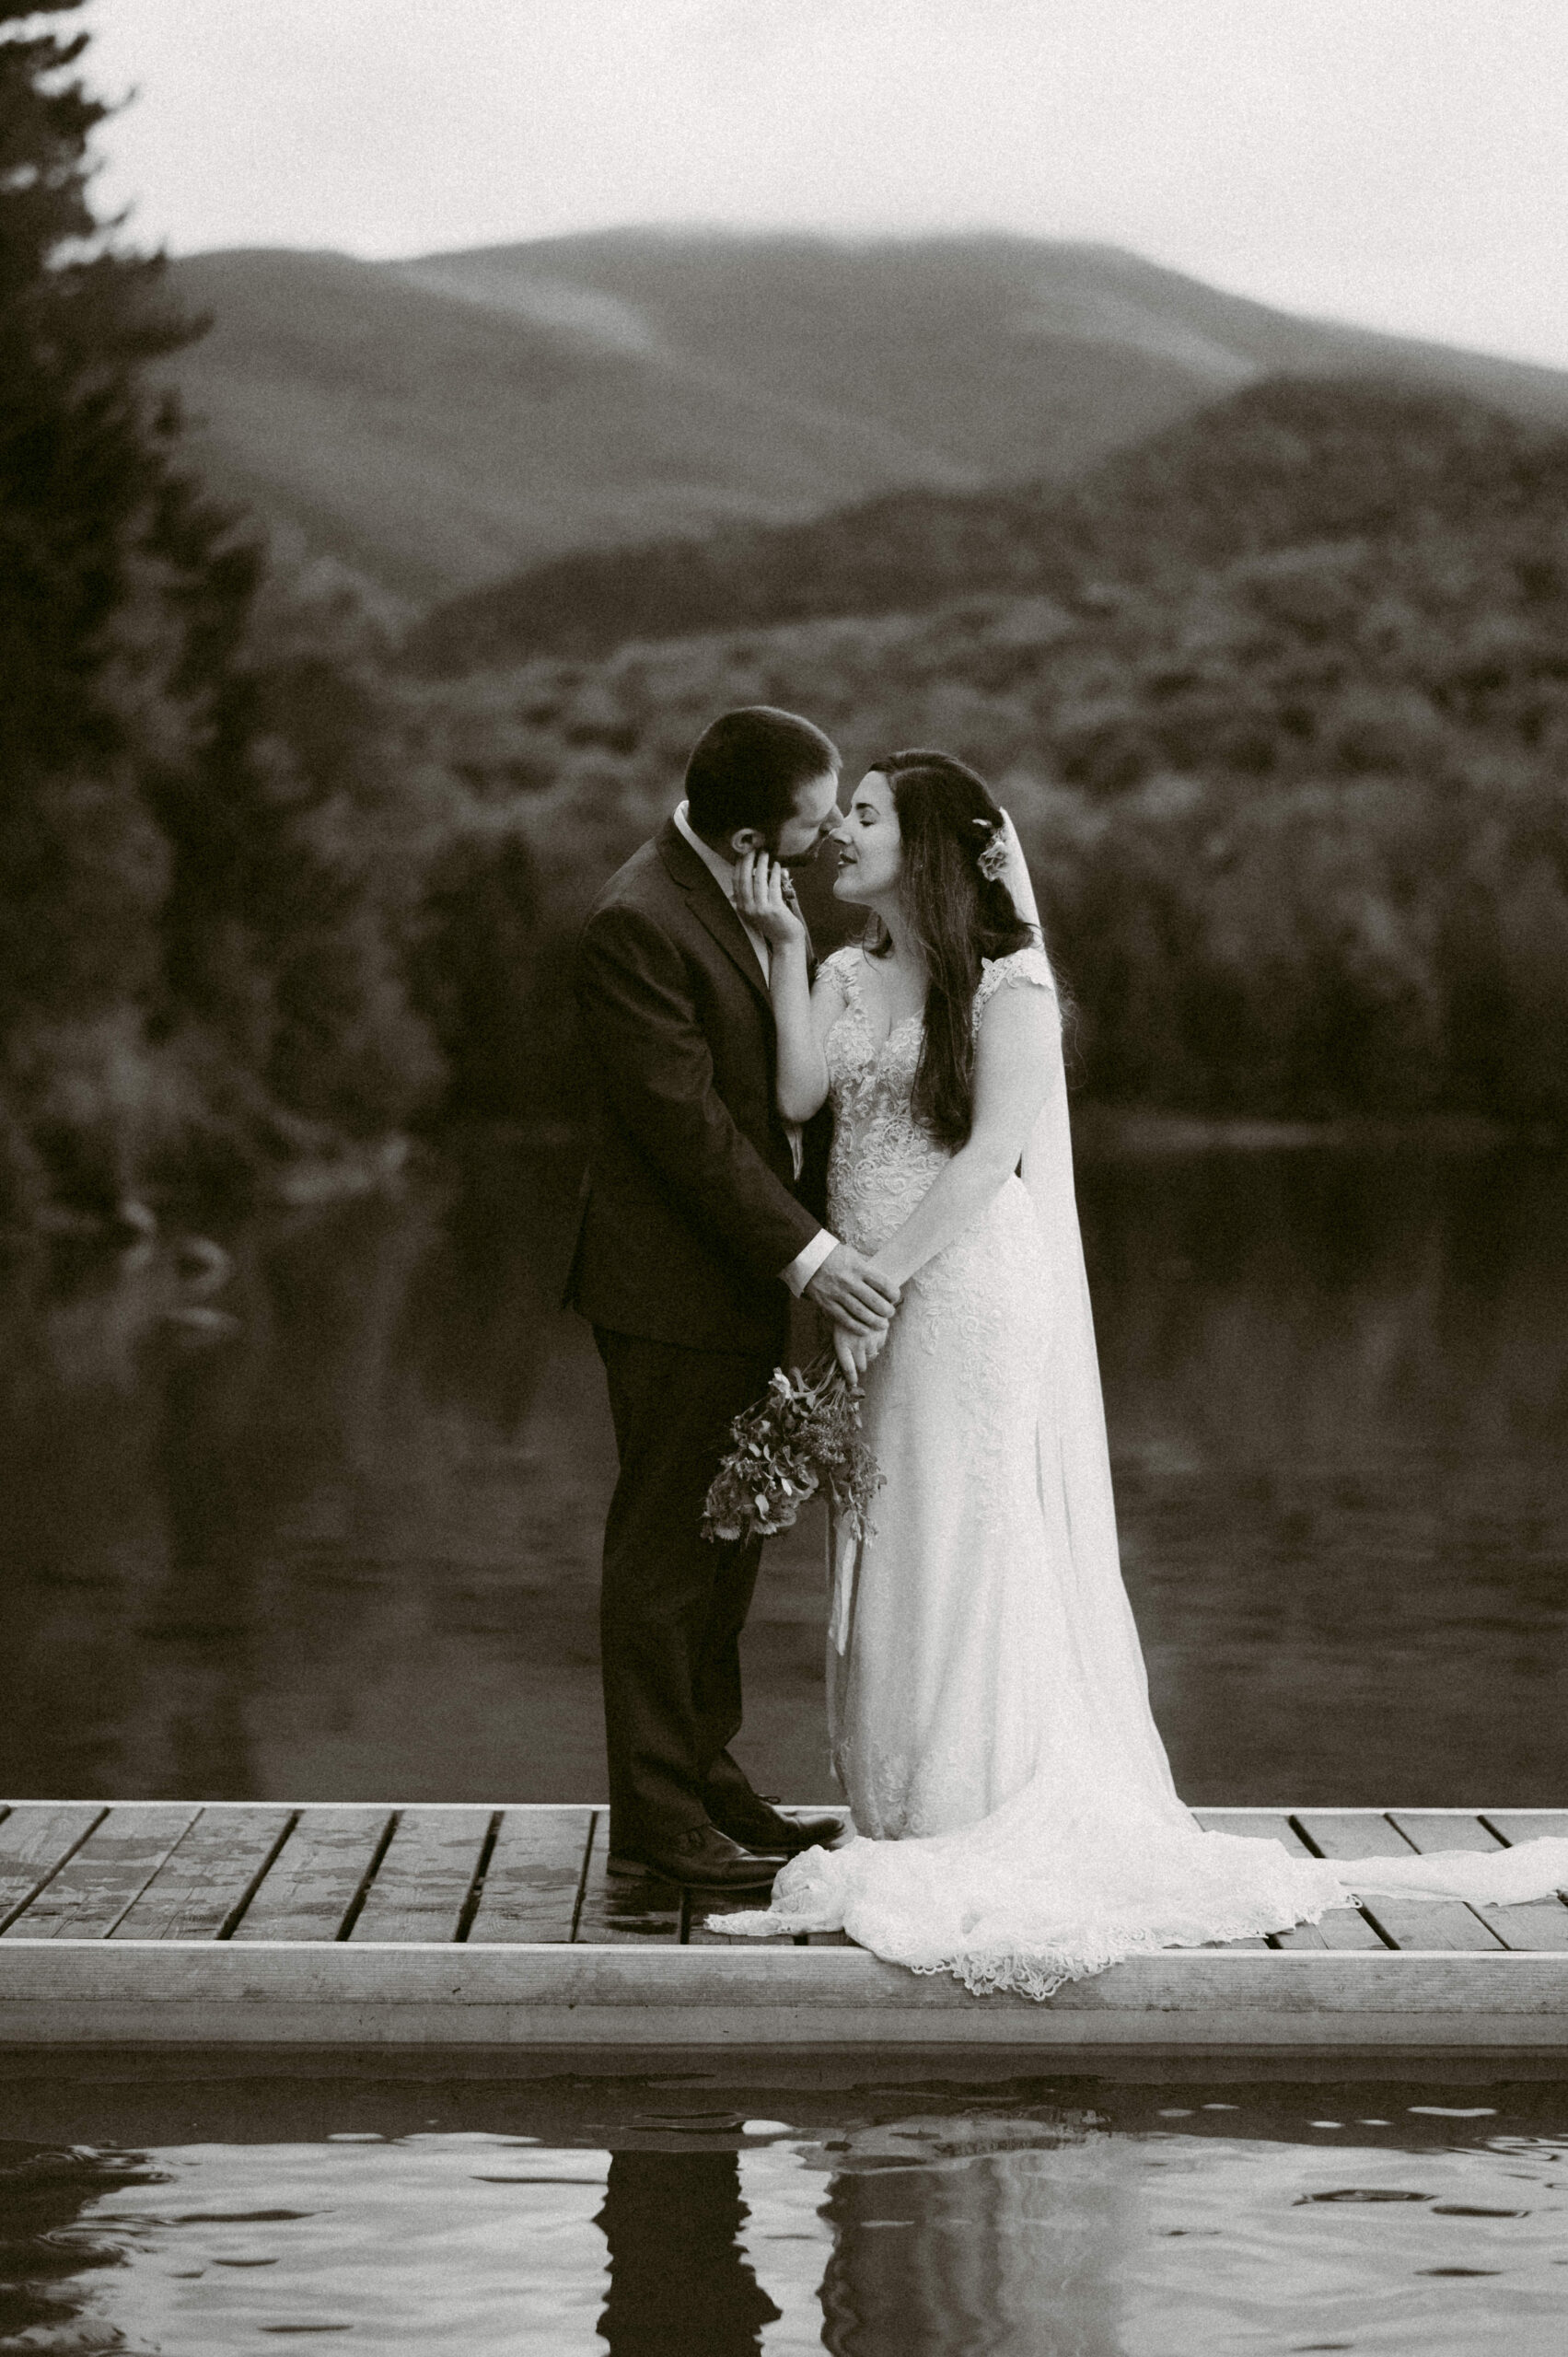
[959,916]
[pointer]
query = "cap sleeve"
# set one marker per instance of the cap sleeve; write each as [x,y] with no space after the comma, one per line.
[1031,965]
[843,965]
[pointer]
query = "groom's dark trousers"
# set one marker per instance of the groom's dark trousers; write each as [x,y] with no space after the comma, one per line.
[690,1214]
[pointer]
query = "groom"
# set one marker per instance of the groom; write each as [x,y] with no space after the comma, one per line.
[692,1238]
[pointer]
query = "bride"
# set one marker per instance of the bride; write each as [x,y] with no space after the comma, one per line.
[1014,1819]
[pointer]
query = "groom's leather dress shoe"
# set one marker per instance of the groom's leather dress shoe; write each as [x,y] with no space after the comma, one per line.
[703,1858]
[761,1827]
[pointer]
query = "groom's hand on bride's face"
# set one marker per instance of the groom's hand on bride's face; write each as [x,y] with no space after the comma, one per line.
[849,1290]
[765,898]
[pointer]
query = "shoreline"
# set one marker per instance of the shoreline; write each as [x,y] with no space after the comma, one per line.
[1116,1133]
[1100,1133]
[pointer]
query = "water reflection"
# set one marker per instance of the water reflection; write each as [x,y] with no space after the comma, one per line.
[1018,2222]
[206,1531]
[1002,2234]
[679,2279]
[1338,1394]
[336,1536]
[46,2269]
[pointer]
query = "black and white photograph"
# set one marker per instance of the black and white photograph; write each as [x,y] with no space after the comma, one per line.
[783,1178]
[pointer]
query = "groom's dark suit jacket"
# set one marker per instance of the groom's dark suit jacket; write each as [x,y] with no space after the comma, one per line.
[689,1211]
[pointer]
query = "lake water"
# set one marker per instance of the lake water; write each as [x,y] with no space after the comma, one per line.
[682,2218]
[322,1522]
[325,1525]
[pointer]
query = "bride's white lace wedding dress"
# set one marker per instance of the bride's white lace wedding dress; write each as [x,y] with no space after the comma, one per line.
[1015,1822]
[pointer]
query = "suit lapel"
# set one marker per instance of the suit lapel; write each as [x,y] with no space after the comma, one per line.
[709,905]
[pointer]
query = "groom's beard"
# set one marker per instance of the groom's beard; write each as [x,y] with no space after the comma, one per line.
[792,860]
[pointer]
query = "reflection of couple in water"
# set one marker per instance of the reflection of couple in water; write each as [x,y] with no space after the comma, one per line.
[978,2232]
[1015,1820]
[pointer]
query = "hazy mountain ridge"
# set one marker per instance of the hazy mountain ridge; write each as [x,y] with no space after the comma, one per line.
[427,441]
[450,419]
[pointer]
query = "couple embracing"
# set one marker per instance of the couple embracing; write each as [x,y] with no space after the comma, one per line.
[884,1135]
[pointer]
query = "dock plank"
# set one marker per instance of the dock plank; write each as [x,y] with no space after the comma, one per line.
[106,1875]
[316,1876]
[1407,1923]
[535,1876]
[1360,2010]
[203,1885]
[422,1885]
[1539,1925]
[1517,1825]
[620,1910]
[1341,1927]
[36,1839]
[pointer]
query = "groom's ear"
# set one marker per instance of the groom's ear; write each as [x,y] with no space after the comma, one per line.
[746,838]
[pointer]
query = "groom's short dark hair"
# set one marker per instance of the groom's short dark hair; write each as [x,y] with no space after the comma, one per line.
[748,767]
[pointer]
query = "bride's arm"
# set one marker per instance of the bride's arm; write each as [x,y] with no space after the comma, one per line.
[803,1017]
[1013,1064]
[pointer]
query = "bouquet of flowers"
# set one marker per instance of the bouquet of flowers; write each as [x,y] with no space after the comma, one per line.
[802,1435]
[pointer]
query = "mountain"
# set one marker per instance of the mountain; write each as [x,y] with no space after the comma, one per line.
[429,441]
[1287,462]
[448,421]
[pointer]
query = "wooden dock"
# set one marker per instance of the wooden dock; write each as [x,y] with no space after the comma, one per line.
[167,1924]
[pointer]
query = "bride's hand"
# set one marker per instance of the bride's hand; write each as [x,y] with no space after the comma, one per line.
[856,1352]
[765,898]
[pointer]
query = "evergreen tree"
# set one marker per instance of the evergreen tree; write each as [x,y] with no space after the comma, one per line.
[192,961]
[86,651]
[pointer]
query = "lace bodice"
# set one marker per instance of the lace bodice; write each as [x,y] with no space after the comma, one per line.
[883,1160]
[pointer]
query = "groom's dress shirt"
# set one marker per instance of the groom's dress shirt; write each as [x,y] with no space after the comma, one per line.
[805,1265]
[722,873]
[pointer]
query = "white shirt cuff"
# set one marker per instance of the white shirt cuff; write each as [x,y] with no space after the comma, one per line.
[805,1265]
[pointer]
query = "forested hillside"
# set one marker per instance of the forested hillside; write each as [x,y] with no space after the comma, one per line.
[1287,461]
[1300,818]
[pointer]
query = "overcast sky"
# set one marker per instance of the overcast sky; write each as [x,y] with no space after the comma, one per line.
[1401,162]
